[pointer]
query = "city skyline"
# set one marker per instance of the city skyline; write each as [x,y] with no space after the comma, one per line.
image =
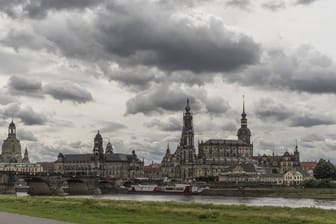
[70,68]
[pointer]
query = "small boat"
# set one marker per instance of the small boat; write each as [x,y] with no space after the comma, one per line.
[168,189]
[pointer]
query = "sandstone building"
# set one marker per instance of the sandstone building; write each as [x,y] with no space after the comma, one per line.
[100,163]
[11,148]
[218,157]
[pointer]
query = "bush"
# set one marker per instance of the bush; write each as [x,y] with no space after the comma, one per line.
[324,183]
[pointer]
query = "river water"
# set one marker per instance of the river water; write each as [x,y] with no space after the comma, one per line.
[221,200]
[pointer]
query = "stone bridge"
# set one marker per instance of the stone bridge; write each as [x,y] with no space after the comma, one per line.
[11,182]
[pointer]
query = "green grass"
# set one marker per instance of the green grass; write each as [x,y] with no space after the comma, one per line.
[92,211]
[315,193]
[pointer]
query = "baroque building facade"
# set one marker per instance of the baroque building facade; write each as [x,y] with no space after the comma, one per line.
[217,157]
[214,155]
[280,164]
[11,148]
[100,163]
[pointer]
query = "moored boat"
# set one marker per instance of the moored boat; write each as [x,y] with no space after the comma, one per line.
[167,189]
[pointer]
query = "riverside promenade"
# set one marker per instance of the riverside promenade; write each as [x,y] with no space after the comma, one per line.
[9,218]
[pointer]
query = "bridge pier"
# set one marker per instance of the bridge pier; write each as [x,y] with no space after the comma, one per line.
[7,183]
[45,185]
[84,185]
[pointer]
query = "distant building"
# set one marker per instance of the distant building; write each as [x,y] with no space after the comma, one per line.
[308,167]
[152,171]
[293,177]
[279,164]
[11,148]
[108,164]
[214,157]
[224,158]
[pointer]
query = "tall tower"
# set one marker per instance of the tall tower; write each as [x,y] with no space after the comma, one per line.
[187,137]
[296,156]
[11,147]
[244,133]
[98,150]
[25,157]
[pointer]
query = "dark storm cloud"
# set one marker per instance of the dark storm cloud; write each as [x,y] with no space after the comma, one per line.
[176,43]
[172,124]
[310,120]
[26,114]
[26,135]
[30,117]
[24,86]
[304,70]
[160,99]
[112,127]
[38,9]
[268,109]
[216,105]
[136,78]
[66,90]
[165,97]
[10,110]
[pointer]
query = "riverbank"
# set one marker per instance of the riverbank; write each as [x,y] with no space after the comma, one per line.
[313,193]
[88,211]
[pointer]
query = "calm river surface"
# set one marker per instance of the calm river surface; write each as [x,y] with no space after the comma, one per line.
[251,201]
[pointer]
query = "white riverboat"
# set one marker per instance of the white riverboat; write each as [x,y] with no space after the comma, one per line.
[167,189]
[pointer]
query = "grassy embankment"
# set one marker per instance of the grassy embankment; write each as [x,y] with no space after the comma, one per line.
[109,211]
[316,193]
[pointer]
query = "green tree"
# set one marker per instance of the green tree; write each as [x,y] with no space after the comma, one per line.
[324,170]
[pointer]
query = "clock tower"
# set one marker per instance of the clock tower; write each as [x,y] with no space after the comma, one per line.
[244,133]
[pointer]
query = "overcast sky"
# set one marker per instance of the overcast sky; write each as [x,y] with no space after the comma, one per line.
[71,67]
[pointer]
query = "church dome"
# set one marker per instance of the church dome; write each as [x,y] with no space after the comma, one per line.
[286,154]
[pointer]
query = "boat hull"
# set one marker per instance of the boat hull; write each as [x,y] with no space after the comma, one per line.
[164,190]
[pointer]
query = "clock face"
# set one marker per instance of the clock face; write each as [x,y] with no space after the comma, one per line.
[243,132]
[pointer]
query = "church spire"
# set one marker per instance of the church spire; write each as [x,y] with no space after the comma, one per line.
[243,114]
[168,149]
[25,156]
[244,134]
[244,119]
[187,108]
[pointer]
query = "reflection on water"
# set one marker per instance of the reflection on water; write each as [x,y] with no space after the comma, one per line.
[221,200]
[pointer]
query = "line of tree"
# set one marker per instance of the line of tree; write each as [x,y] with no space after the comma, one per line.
[325,170]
